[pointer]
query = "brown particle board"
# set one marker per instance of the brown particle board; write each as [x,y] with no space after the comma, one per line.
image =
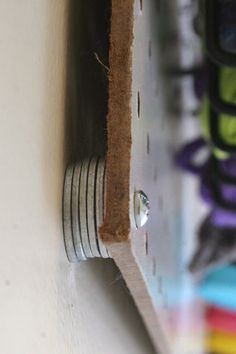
[116,226]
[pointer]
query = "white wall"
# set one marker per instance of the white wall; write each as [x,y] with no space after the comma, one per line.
[46,305]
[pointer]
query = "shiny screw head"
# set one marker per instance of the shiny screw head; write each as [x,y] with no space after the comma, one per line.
[141,208]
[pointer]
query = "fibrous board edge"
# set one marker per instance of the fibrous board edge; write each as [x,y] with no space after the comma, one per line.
[116,226]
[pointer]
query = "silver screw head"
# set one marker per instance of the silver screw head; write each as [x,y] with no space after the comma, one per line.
[141,208]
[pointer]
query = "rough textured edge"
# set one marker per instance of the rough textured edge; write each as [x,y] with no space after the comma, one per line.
[116,226]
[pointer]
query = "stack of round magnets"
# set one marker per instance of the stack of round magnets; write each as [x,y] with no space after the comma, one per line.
[83,210]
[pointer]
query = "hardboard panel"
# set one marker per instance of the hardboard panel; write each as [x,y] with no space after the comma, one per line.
[141,140]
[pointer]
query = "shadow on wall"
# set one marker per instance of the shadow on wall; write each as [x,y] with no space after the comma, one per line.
[87,79]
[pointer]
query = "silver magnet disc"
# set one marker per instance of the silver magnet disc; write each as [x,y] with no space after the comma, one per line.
[100,186]
[67,226]
[83,209]
[91,218]
[76,232]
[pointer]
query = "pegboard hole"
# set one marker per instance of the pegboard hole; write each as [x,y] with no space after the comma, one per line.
[154,266]
[163,122]
[166,302]
[138,104]
[167,225]
[160,284]
[155,175]
[141,5]
[150,49]
[161,202]
[148,144]
[146,243]
[171,152]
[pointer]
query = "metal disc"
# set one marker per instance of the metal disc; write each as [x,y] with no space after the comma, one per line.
[91,221]
[100,205]
[83,209]
[67,227]
[75,214]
